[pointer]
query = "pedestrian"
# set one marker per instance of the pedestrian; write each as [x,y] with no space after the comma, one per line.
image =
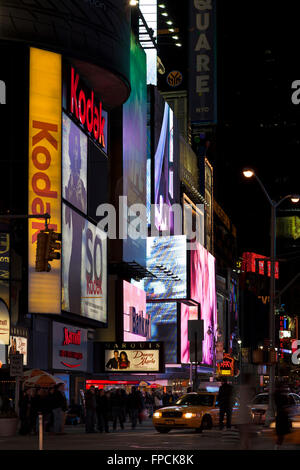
[283,422]
[225,400]
[117,412]
[135,405]
[123,404]
[149,401]
[157,401]
[59,404]
[102,411]
[244,419]
[90,410]
[24,412]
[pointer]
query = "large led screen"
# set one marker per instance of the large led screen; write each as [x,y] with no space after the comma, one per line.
[166,259]
[187,312]
[135,147]
[164,327]
[136,320]
[84,273]
[203,290]
[166,182]
[74,171]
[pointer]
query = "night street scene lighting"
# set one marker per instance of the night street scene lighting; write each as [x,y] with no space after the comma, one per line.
[149,230]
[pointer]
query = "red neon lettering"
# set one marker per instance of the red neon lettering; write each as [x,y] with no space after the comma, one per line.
[46,191]
[89,110]
[71,337]
[101,126]
[82,112]
[74,85]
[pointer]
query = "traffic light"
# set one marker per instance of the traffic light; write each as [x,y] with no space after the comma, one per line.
[53,246]
[47,249]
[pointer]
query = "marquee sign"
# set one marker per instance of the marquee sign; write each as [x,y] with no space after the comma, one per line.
[226,367]
[132,357]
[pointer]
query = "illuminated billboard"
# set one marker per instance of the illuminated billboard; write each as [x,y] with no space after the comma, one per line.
[288,227]
[187,312]
[167,260]
[132,357]
[149,11]
[253,262]
[19,345]
[135,147]
[74,168]
[84,269]
[44,178]
[166,155]
[4,267]
[164,327]
[203,290]
[136,320]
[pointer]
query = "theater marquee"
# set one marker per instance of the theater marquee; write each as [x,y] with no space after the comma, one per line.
[132,357]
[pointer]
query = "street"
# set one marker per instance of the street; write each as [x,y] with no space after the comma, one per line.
[143,438]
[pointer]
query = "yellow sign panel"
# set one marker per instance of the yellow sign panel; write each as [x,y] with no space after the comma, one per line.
[44,196]
[288,227]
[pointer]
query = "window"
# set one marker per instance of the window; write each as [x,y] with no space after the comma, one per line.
[196,400]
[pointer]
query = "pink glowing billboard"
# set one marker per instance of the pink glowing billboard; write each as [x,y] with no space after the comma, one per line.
[203,290]
[187,313]
[136,321]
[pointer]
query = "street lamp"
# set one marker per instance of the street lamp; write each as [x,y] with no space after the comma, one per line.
[250,173]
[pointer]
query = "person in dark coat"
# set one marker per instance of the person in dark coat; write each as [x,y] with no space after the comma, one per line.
[225,400]
[90,409]
[117,411]
[135,405]
[283,423]
[24,413]
[102,411]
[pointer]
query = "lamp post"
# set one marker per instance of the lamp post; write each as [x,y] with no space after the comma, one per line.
[249,173]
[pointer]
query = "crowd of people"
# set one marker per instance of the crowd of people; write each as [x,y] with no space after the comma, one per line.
[117,407]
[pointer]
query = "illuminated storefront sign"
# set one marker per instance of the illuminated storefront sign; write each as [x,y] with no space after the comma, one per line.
[137,322]
[44,173]
[4,267]
[86,108]
[69,347]
[132,357]
[19,345]
[226,367]
[254,263]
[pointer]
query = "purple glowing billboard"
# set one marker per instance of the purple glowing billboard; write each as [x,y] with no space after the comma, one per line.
[187,312]
[203,291]
[137,322]
[166,154]
[135,147]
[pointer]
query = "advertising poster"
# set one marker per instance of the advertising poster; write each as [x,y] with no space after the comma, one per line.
[4,323]
[69,348]
[187,313]
[166,156]
[18,345]
[84,283]
[136,320]
[203,290]
[44,174]
[135,147]
[133,357]
[74,173]
[167,259]
[4,267]
[164,327]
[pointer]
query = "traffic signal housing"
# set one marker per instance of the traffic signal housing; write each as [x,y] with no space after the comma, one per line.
[47,249]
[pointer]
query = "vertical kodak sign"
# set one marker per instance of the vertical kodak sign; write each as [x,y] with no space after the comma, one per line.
[44,289]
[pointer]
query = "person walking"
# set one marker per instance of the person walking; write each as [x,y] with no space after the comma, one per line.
[90,410]
[135,406]
[102,411]
[117,412]
[283,422]
[244,420]
[59,404]
[225,400]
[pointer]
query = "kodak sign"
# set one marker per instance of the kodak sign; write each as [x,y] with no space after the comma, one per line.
[86,108]
[44,185]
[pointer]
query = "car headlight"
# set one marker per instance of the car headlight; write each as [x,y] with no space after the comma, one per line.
[189,415]
[157,414]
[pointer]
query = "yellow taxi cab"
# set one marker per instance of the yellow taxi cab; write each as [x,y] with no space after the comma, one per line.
[198,410]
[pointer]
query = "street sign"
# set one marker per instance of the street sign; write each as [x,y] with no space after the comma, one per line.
[16,365]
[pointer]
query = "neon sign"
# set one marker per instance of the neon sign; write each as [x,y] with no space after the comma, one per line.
[87,110]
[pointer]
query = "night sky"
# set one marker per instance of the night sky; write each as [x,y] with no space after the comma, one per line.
[258,126]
